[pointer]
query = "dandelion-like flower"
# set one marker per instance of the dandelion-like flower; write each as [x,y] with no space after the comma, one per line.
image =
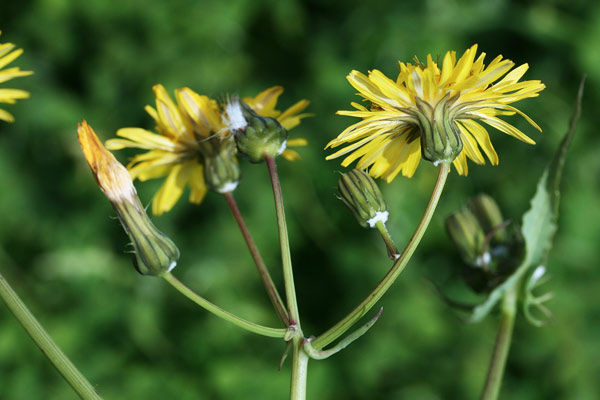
[187,134]
[7,55]
[435,112]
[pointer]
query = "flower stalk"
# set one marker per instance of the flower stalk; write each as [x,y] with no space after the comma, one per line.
[392,250]
[491,388]
[43,340]
[342,326]
[258,260]
[219,312]
[286,258]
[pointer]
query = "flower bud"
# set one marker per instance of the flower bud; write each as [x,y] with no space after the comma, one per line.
[221,170]
[489,216]
[256,136]
[362,196]
[468,236]
[155,253]
[440,136]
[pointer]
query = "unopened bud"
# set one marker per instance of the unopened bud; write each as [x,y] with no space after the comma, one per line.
[440,136]
[155,253]
[256,136]
[221,169]
[468,236]
[489,216]
[362,196]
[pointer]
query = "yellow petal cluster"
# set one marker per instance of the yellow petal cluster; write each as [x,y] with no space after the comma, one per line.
[112,177]
[8,54]
[175,148]
[386,140]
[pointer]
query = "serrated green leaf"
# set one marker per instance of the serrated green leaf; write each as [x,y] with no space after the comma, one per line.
[539,225]
[539,222]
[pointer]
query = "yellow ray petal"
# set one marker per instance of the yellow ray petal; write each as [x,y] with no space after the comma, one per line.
[171,190]
[264,103]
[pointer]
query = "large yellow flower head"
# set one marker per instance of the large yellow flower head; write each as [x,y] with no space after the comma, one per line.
[187,134]
[433,111]
[9,96]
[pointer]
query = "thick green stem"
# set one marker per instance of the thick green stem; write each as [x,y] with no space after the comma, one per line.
[342,326]
[41,338]
[286,258]
[260,265]
[299,370]
[491,389]
[219,312]
[299,356]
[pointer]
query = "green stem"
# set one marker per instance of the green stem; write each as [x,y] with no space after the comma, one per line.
[393,252]
[299,370]
[491,389]
[219,312]
[342,326]
[260,265]
[286,258]
[299,356]
[41,338]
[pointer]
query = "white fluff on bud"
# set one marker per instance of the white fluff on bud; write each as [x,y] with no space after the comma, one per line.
[234,118]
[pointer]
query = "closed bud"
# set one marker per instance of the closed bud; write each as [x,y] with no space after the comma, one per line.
[221,169]
[468,236]
[440,136]
[362,196]
[155,253]
[256,136]
[489,216]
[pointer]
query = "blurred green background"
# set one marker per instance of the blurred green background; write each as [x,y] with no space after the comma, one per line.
[136,338]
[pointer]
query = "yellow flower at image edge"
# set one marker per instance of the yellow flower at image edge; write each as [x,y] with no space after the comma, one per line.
[186,133]
[9,96]
[433,111]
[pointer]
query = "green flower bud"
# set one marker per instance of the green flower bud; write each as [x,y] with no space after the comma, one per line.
[221,169]
[468,236]
[489,216]
[440,136]
[155,253]
[362,196]
[256,136]
[491,251]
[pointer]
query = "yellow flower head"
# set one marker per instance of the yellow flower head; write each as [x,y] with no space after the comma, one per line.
[185,132]
[9,96]
[433,111]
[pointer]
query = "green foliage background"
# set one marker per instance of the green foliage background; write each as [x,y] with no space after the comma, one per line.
[135,338]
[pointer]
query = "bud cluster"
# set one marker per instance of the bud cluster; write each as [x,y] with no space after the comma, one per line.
[490,249]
